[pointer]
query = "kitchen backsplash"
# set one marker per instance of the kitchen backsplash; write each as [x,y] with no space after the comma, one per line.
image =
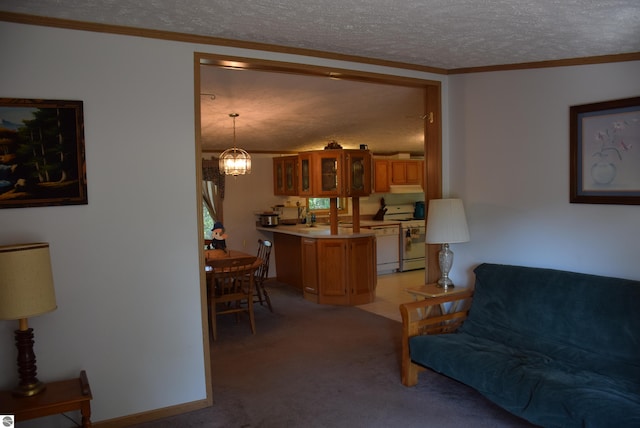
[368,205]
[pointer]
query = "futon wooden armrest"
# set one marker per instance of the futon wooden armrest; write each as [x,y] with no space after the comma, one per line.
[436,315]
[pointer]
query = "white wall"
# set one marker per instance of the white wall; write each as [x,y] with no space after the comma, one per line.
[509,149]
[126,265]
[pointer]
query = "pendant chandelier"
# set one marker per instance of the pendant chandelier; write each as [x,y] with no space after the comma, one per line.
[235,161]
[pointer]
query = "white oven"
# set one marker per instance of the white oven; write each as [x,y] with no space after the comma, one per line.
[412,235]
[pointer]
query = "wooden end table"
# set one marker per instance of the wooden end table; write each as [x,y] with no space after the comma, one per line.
[58,397]
[430,291]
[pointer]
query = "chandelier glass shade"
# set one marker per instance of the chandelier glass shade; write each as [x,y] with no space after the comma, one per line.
[235,161]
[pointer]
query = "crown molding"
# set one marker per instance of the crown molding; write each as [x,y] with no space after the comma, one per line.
[205,40]
[633,56]
[217,41]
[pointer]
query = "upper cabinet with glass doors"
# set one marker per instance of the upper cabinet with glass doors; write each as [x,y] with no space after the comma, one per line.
[285,175]
[358,172]
[334,173]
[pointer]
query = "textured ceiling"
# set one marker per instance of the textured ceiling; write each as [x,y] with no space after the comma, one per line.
[287,112]
[282,112]
[446,34]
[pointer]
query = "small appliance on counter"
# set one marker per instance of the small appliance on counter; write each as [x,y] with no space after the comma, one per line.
[268,219]
[287,215]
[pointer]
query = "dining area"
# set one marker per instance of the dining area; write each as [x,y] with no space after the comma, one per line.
[235,283]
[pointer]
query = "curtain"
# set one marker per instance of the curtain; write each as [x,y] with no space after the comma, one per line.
[212,188]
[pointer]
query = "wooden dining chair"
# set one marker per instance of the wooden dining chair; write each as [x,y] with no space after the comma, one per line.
[230,289]
[262,273]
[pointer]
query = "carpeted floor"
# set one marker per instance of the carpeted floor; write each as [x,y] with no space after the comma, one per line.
[326,366]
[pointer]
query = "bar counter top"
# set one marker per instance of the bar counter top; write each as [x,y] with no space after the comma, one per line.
[316,231]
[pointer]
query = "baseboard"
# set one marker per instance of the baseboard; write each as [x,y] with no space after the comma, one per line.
[153,415]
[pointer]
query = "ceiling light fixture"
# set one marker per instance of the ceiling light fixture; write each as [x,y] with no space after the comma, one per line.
[235,161]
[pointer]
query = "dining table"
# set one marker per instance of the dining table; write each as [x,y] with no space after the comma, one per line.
[229,254]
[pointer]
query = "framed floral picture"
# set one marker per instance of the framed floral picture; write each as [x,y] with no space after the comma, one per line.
[604,146]
[42,155]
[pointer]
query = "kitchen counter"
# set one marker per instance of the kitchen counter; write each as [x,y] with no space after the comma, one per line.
[371,223]
[337,269]
[318,231]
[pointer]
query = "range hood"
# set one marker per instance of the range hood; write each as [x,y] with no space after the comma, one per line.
[405,188]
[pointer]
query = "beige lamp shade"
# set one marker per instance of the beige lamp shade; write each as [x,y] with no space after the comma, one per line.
[446,222]
[26,281]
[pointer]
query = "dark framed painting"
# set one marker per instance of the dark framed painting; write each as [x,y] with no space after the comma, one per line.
[42,154]
[604,148]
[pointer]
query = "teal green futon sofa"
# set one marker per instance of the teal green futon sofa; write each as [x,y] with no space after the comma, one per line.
[557,348]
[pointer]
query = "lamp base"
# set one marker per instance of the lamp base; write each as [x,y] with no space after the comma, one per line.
[29,390]
[445,283]
[445,260]
[29,384]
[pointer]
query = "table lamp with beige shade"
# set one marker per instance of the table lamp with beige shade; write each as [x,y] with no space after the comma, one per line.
[26,290]
[446,224]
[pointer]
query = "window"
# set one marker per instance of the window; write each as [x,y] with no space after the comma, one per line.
[207,221]
[322,205]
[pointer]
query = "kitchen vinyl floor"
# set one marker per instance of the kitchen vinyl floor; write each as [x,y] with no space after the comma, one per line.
[390,292]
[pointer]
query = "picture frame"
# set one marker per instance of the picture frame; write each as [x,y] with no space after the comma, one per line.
[42,153]
[604,149]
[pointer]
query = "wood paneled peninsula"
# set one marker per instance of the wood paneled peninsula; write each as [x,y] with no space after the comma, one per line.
[329,268]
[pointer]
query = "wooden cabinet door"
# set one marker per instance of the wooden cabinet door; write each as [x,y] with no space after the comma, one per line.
[398,172]
[333,271]
[290,172]
[362,271]
[413,172]
[278,176]
[305,177]
[357,171]
[285,175]
[406,172]
[327,173]
[381,175]
[310,269]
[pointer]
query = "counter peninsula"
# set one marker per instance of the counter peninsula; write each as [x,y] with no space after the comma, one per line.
[337,269]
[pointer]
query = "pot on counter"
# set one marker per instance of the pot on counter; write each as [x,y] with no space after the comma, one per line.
[268,219]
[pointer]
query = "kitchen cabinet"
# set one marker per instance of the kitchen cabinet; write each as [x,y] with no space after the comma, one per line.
[389,172]
[328,269]
[358,172]
[304,175]
[285,175]
[326,172]
[334,173]
[381,177]
[344,271]
[362,270]
[406,172]
[309,269]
